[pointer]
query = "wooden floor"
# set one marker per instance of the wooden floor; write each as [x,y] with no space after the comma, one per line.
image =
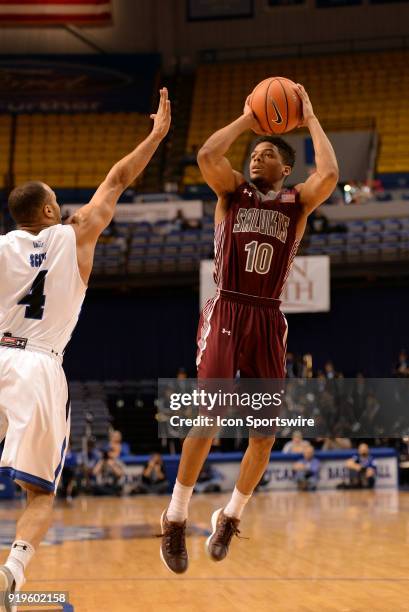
[331,551]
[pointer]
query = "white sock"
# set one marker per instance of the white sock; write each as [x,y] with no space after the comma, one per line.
[20,556]
[236,504]
[177,511]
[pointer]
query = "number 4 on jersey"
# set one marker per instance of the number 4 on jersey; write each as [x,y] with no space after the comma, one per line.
[35,298]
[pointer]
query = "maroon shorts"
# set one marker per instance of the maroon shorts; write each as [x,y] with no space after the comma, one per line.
[240,332]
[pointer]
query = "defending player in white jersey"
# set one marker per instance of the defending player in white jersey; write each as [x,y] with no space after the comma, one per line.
[44,271]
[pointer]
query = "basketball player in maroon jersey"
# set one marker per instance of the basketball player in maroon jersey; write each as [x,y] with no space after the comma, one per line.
[259,226]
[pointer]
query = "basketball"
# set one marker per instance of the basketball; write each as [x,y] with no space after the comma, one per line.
[276,105]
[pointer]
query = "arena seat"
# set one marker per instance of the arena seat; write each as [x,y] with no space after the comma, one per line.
[347,90]
[5,127]
[73,150]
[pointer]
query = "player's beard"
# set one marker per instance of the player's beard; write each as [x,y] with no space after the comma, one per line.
[264,185]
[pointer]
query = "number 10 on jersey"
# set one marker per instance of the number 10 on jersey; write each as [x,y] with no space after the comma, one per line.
[259,257]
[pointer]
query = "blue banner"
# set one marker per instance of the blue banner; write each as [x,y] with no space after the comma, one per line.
[78,83]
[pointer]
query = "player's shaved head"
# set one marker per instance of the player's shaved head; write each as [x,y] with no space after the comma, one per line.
[27,200]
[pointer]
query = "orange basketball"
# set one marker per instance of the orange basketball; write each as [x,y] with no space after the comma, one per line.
[276,105]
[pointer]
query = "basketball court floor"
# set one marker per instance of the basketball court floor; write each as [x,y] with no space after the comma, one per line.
[343,551]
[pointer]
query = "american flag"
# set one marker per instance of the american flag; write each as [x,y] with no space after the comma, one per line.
[54,12]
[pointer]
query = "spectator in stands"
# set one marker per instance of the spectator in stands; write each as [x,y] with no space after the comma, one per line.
[402,367]
[362,470]
[153,478]
[296,444]
[264,480]
[181,374]
[190,158]
[181,381]
[89,460]
[306,370]
[329,370]
[358,397]
[119,449]
[402,446]
[307,471]
[331,444]
[356,192]
[291,366]
[69,475]
[318,223]
[209,480]
[109,475]
[182,223]
[110,235]
[371,421]
[336,197]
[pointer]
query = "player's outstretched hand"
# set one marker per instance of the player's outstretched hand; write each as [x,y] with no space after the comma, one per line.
[307,110]
[253,123]
[162,117]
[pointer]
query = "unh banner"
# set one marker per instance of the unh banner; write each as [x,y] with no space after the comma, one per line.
[306,290]
[279,475]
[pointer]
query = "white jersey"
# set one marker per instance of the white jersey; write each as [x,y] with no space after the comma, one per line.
[41,290]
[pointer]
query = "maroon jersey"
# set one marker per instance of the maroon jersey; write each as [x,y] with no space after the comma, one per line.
[256,243]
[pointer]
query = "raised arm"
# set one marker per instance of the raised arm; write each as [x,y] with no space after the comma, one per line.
[319,186]
[93,218]
[214,166]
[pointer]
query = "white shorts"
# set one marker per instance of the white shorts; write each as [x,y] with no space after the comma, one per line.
[34,417]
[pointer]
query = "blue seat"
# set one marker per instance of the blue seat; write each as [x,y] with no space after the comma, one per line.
[318,239]
[142,227]
[188,247]
[373,225]
[151,263]
[391,237]
[191,235]
[372,238]
[389,250]
[122,229]
[136,252]
[170,249]
[404,221]
[370,252]
[335,252]
[391,225]
[404,233]
[383,197]
[156,239]
[315,250]
[187,261]
[352,252]
[353,238]
[153,250]
[135,266]
[355,226]
[139,239]
[168,261]
[336,239]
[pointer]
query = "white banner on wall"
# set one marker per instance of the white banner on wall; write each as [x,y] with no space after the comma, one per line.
[149,211]
[279,474]
[307,288]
